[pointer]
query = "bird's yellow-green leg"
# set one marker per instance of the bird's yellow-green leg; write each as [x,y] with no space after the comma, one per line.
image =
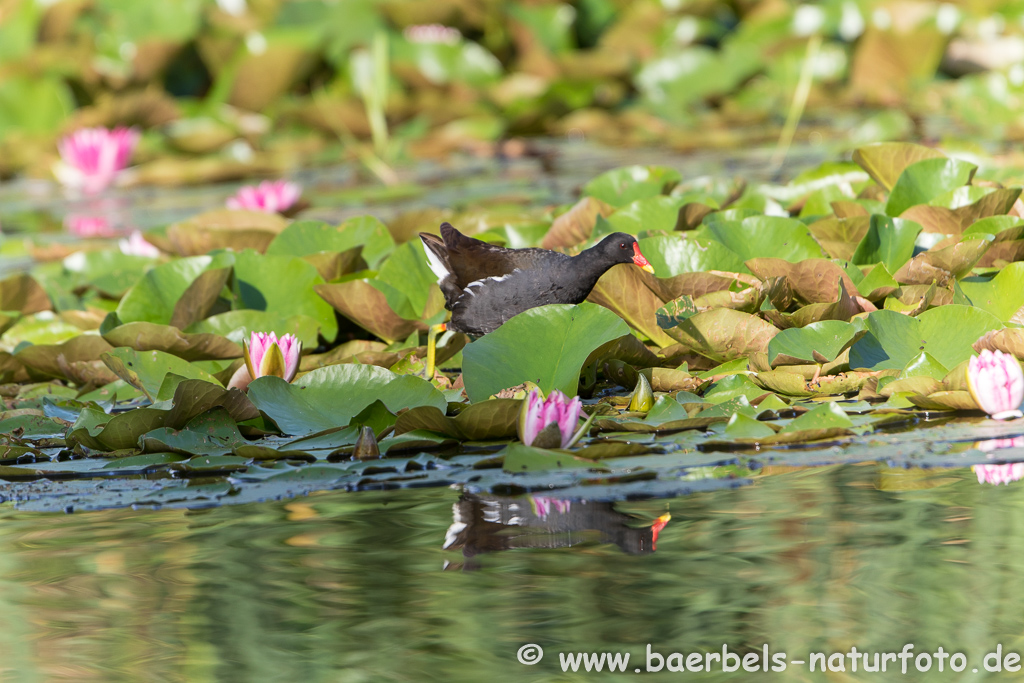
[432,333]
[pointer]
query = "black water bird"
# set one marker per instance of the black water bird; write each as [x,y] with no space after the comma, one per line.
[484,285]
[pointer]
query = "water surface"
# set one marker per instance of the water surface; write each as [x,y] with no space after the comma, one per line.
[360,586]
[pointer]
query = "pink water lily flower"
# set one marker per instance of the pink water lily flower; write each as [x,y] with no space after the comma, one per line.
[270,196]
[136,245]
[91,158]
[999,474]
[88,226]
[996,382]
[550,422]
[266,355]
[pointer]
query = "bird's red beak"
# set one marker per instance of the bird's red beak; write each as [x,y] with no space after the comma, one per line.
[639,259]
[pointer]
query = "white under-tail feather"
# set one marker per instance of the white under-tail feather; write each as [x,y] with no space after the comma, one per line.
[435,263]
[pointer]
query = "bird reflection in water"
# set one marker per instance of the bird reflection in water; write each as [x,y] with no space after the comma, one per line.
[484,524]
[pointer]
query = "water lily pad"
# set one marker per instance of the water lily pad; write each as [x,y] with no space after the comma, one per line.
[942,265]
[628,292]
[123,430]
[839,236]
[367,306]
[303,238]
[193,397]
[813,280]
[757,236]
[818,342]
[522,458]
[52,359]
[145,336]
[886,161]
[148,370]
[546,345]
[576,225]
[283,285]
[671,255]
[23,294]
[237,325]
[331,396]
[723,334]
[484,421]
[210,433]
[889,241]
[622,186]
[154,298]
[1002,295]
[946,333]
[921,181]
[956,221]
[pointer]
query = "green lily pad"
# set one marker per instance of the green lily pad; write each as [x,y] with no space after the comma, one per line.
[1002,295]
[148,371]
[886,161]
[622,186]
[946,333]
[923,180]
[671,255]
[303,238]
[484,421]
[123,430]
[757,236]
[818,342]
[282,285]
[155,297]
[522,458]
[332,396]
[888,241]
[546,345]
[236,326]
[211,433]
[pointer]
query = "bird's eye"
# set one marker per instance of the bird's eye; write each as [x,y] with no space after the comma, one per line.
[623,246]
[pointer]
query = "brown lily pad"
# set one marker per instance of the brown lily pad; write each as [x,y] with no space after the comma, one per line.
[366,306]
[724,334]
[576,225]
[942,265]
[146,336]
[23,294]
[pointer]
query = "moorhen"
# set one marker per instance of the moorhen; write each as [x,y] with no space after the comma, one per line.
[484,285]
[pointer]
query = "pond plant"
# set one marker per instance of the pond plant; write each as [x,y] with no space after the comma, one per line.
[271,196]
[92,158]
[839,312]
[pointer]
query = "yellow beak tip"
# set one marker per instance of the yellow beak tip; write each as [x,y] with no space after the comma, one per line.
[649,268]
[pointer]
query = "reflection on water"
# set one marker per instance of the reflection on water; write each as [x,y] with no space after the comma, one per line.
[482,524]
[352,587]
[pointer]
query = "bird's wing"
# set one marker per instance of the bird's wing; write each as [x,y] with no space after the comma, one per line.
[472,259]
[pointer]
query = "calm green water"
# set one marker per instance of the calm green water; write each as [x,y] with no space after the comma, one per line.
[358,587]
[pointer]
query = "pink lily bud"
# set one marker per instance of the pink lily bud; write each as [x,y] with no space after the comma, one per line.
[996,383]
[999,474]
[270,196]
[265,355]
[91,158]
[550,422]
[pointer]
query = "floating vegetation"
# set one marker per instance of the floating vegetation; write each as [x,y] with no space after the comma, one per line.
[833,329]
